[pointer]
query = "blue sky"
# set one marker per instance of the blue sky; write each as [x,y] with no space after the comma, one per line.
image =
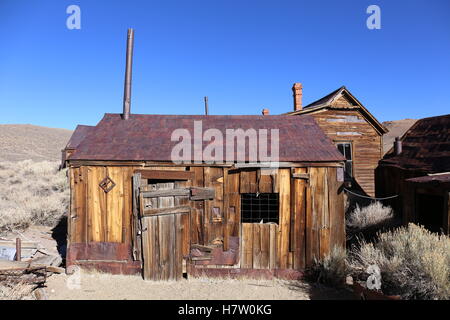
[244,55]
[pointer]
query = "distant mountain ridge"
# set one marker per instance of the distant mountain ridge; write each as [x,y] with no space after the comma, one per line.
[25,141]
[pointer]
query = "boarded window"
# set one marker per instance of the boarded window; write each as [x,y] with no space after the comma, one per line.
[259,207]
[346,149]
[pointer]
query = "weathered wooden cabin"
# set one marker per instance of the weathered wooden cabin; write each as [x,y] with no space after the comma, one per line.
[417,169]
[353,129]
[133,210]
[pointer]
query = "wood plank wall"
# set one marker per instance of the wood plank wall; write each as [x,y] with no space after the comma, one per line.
[311,216]
[350,125]
[97,216]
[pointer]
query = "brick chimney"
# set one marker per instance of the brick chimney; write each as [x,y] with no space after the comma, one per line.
[265,112]
[297,92]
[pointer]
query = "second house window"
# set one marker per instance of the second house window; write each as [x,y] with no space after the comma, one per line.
[346,149]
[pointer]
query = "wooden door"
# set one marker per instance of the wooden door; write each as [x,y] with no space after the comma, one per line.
[161,221]
[165,229]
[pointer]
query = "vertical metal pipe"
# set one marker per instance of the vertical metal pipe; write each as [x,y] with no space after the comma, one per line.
[206,105]
[128,71]
[18,249]
[397,146]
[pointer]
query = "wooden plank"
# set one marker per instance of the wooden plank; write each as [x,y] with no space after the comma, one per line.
[128,205]
[182,199]
[336,207]
[197,215]
[148,244]
[257,246]
[166,193]
[96,204]
[309,223]
[265,180]
[299,211]
[165,201]
[156,248]
[284,215]
[185,234]
[248,181]
[114,206]
[71,230]
[232,205]
[324,228]
[273,237]
[178,247]
[79,221]
[136,222]
[198,193]
[265,246]
[213,178]
[169,210]
[166,174]
[247,246]
[301,175]
[317,196]
[225,210]
[164,232]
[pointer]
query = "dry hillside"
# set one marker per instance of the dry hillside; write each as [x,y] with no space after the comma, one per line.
[24,141]
[396,129]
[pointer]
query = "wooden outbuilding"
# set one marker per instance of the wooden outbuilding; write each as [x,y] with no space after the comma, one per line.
[353,129]
[417,169]
[133,210]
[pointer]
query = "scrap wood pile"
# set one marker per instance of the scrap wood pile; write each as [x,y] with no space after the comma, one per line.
[25,279]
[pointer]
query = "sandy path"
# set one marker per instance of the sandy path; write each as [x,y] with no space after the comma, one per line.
[92,285]
[104,287]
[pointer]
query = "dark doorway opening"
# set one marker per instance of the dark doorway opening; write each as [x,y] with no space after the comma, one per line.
[430,211]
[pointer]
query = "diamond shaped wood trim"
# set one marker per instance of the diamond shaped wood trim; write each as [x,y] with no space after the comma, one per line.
[107,184]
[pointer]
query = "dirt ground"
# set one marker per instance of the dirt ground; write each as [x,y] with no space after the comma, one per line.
[85,285]
[97,286]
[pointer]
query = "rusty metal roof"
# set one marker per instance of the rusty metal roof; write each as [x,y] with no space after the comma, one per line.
[437,179]
[148,137]
[78,135]
[425,147]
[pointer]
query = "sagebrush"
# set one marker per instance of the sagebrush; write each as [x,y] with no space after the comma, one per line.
[373,215]
[331,269]
[32,193]
[414,262]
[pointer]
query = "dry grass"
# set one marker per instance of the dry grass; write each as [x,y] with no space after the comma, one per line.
[375,214]
[414,262]
[16,291]
[20,142]
[31,193]
[331,270]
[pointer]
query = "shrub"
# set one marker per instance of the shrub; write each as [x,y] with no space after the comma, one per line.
[31,193]
[330,270]
[373,215]
[414,262]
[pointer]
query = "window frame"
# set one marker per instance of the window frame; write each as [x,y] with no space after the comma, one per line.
[347,176]
[268,210]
